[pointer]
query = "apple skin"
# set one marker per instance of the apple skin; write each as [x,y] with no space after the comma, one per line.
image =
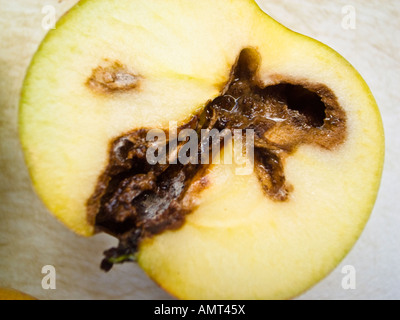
[237,244]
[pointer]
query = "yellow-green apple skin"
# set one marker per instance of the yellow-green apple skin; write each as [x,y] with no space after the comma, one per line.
[238,243]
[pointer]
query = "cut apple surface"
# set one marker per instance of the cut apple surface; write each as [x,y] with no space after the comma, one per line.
[95,90]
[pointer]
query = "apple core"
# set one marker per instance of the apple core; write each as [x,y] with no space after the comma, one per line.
[136,200]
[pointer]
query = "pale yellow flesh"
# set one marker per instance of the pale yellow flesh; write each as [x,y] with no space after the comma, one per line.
[238,243]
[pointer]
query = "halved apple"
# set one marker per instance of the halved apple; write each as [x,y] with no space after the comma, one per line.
[114,70]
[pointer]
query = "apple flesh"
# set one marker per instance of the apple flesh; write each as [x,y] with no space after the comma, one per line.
[149,63]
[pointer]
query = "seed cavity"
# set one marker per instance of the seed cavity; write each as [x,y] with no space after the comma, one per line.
[112,77]
[135,200]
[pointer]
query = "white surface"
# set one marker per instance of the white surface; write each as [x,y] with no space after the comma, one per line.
[30,238]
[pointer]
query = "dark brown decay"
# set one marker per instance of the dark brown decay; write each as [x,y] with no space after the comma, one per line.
[135,200]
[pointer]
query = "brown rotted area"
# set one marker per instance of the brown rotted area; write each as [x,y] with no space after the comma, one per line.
[135,200]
